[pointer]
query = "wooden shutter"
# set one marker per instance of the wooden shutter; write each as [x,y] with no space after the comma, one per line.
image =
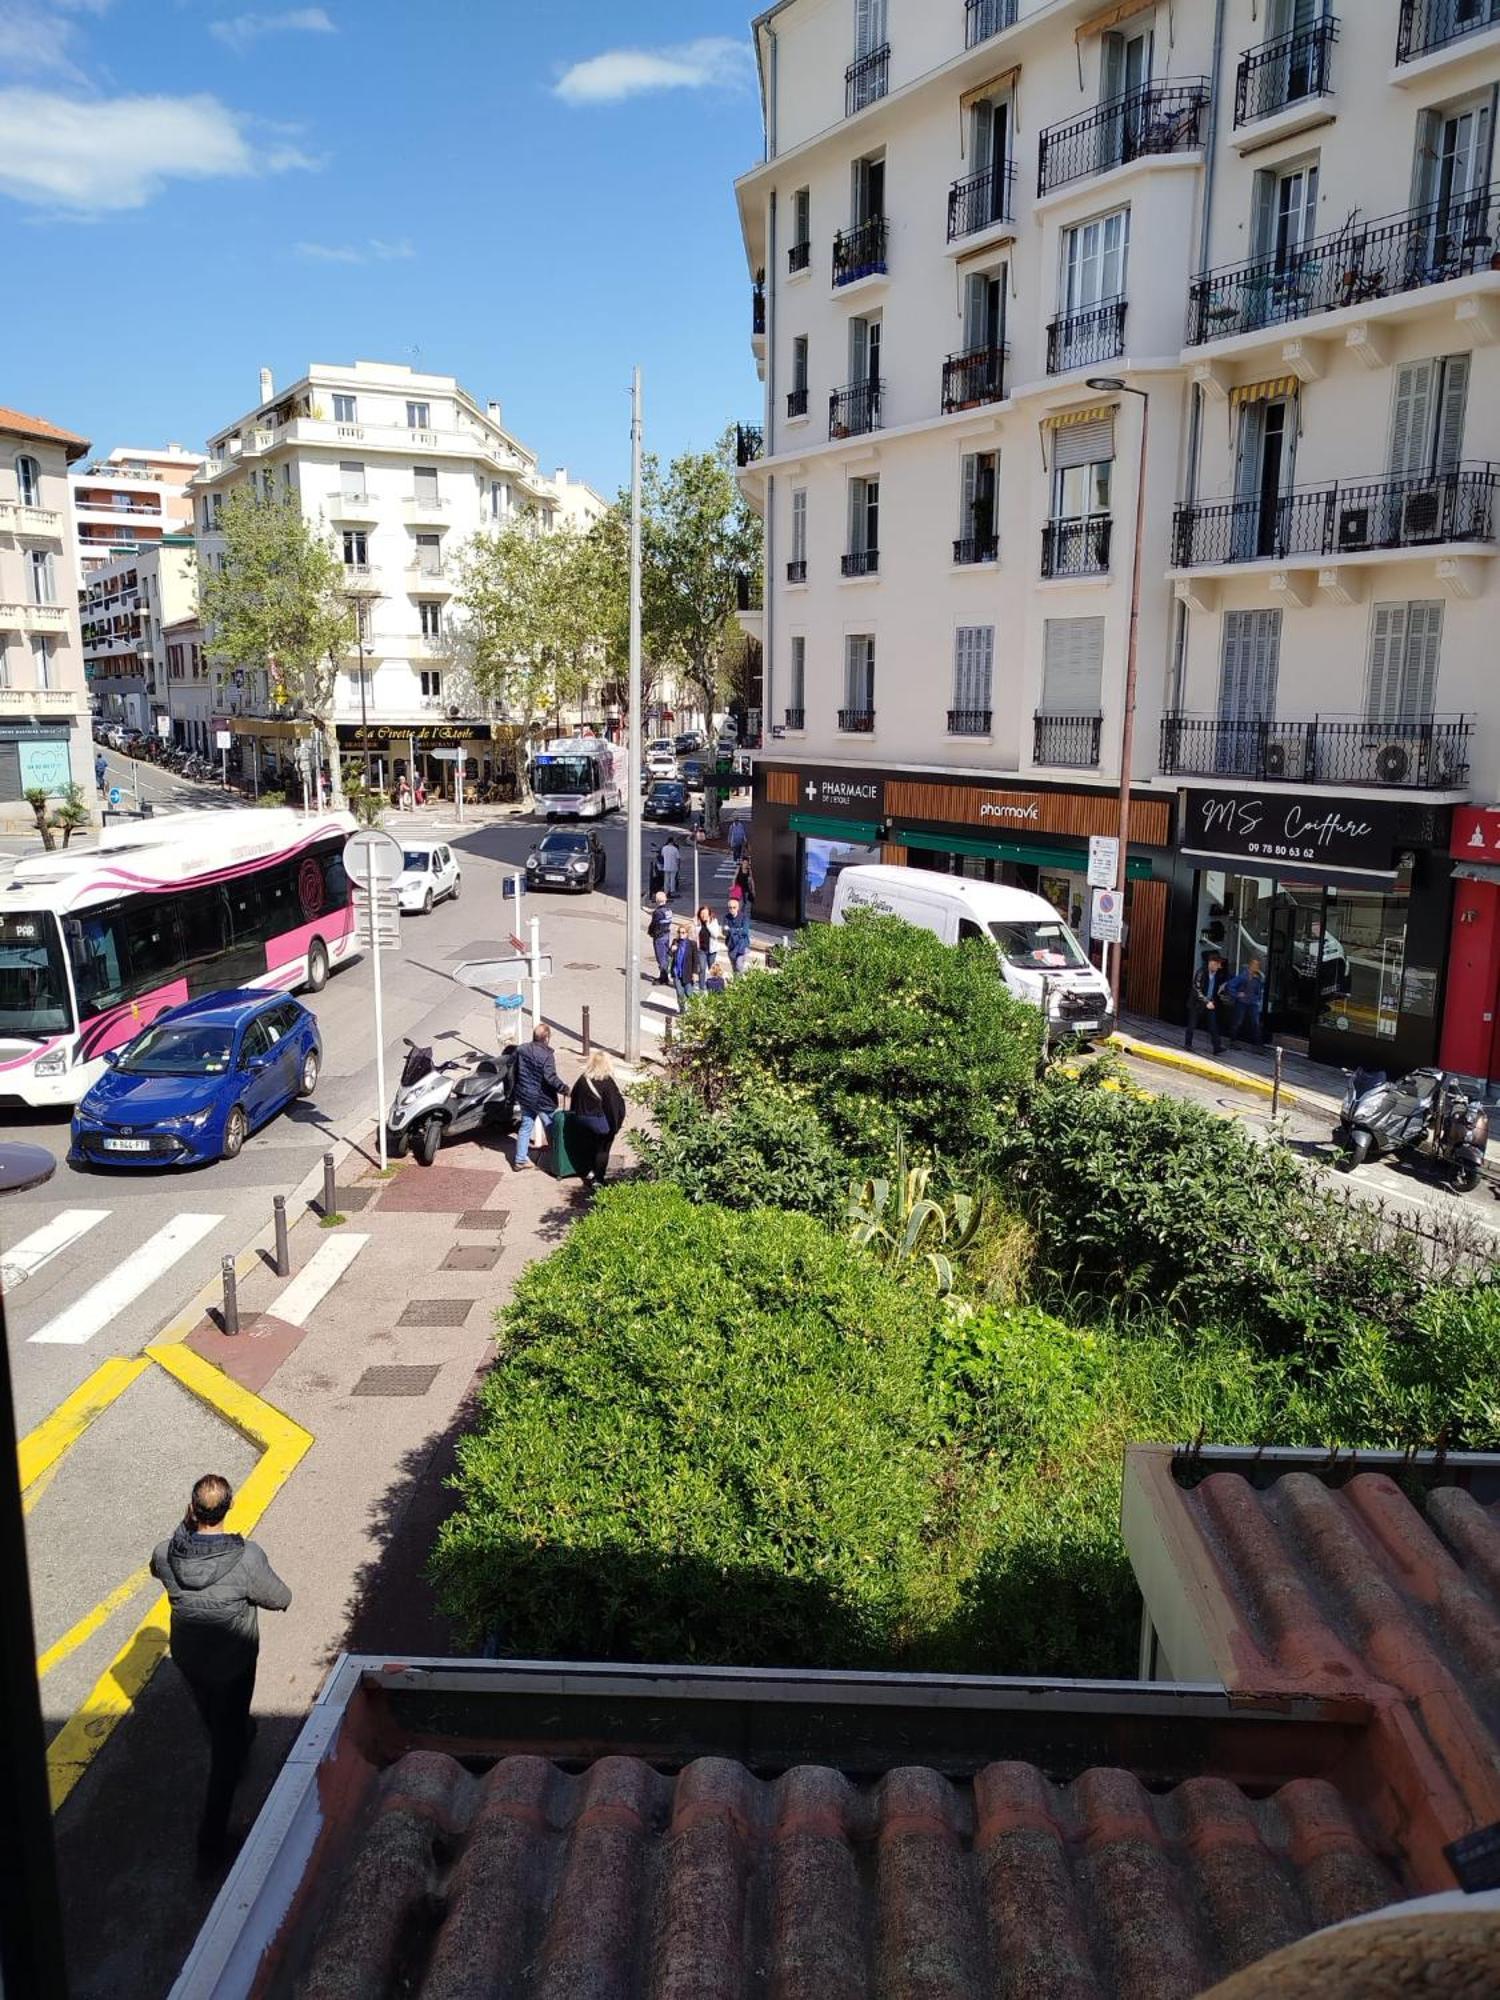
[1387,645]
[982,134]
[799,671]
[799,524]
[1247,675]
[1424,640]
[864,24]
[973,658]
[1263,215]
[1073,666]
[1411,418]
[968,487]
[1453,402]
[859,350]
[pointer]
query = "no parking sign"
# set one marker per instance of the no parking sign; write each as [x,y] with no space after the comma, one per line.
[1108,921]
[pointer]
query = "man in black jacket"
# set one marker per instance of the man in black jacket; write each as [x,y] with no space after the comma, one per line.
[1205,999]
[215,1582]
[538,1087]
[659,930]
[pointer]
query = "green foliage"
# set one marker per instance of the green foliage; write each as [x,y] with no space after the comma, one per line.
[698,537]
[888,1030]
[1436,1381]
[39,799]
[532,611]
[72,812]
[901,1223]
[271,799]
[764,1149]
[367,805]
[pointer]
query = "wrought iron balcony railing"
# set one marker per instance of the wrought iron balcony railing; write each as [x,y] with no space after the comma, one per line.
[1359,263]
[796,570]
[978,200]
[1429,753]
[1070,742]
[857,721]
[860,252]
[975,376]
[976,548]
[758,308]
[860,562]
[855,409]
[1432,24]
[969,721]
[1083,339]
[867,79]
[1343,519]
[749,591]
[1156,118]
[795,718]
[983,18]
[749,443]
[1285,71]
[1077,547]
[799,256]
[796,402]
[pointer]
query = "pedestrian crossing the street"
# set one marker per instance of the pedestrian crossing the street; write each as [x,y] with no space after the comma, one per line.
[104,1301]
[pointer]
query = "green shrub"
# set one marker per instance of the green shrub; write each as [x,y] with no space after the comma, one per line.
[1437,1381]
[762,1148]
[889,1030]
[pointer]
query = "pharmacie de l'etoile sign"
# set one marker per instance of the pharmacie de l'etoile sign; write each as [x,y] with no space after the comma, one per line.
[855,795]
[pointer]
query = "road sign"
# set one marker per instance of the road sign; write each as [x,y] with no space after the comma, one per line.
[371,857]
[1104,859]
[1108,924]
[485,974]
[164,727]
[222,739]
[115,795]
[387,916]
[446,756]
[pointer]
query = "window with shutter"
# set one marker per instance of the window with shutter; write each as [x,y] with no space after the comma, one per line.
[1411,418]
[1248,669]
[1084,444]
[799,362]
[973,661]
[799,524]
[1073,666]
[798,688]
[1405,645]
[1453,403]
[859,671]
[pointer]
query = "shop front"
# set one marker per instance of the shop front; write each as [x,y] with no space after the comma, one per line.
[1343,905]
[1471,1011]
[391,751]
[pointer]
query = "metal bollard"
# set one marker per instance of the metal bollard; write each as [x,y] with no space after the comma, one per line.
[283,1248]
[588,1043]
[330,1191]
[231,1297]
[1276,1084]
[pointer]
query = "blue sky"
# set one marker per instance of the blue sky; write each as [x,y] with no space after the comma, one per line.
[529,194]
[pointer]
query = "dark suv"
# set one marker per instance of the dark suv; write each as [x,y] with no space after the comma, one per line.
[666,798]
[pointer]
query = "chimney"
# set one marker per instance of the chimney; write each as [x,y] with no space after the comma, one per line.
[494,409]
[267,385]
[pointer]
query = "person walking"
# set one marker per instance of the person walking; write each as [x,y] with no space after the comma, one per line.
[685,967]
[671,861]
[101,769]
[1245,994]
[737,838]
[538,1088]
[737,936]
[744,884]
[710,941]
[596,1111]
[1205,1001]
[659,930]
[215,1584]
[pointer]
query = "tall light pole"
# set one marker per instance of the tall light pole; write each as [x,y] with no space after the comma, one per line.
[1115,386]
[633,748]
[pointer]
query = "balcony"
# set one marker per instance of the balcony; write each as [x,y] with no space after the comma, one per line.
[360,579]
[973,377]
[979,201]
[854,410]
[1428,25]
[976,548]
[351,507]
[983,18]
[749,443]
[1431,754]
[46,617]
[860,562]
[796,402]
[41,701]
[1286,71]
[749,591]
[1076,547]
[758,309]
[798,258]
[860,252]
[1066,742]
[795,718]
[17,517]
[857,721]
[969,721]
[1353,266]
[1351,518]
[867,80]
[435,645]
[1084,339]
[1158,118]
[425,508]
[254,442]
[796,570]
[435,580]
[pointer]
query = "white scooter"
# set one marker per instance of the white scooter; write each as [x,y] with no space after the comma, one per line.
[435,1101]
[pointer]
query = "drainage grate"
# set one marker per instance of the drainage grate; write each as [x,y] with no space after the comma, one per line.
[352,1199]
[436,1312]
[579,965]
[484,1218]
[396,1381]
[472,1257]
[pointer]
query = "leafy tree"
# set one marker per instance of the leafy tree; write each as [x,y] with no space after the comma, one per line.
[39,799]
[698,538]
[72,812]
[278,606]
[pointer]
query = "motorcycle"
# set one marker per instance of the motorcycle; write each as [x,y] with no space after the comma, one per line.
[1428,1116]
[436,1101]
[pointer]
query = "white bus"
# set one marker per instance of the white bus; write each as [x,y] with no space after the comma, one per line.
[579,777]
[93,946]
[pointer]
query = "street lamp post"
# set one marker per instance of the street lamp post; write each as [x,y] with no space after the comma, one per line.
[1114,385]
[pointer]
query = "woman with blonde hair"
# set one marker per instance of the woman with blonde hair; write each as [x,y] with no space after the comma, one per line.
[596,1111]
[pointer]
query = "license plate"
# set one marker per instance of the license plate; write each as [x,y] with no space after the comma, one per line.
[554,878]
[1086,1027]
[127,1145]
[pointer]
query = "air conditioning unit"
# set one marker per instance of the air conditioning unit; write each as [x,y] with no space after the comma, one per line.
[454,711]
[1421,514]
[1392,762]
[1354,527]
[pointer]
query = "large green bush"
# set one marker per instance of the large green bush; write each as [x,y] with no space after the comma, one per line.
[888,1030]
[761,1148]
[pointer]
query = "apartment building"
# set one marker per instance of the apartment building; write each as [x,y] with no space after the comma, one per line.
[989,238]
[125,607]
[44,737]
[400,469]
[190,684]
[136,496]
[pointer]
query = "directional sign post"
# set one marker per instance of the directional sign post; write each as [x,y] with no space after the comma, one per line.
[372,861]
[115,795]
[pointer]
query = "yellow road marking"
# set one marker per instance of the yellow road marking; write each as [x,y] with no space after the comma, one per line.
[89,1624]
[1193,1065]
[43,1447]
[111,1698]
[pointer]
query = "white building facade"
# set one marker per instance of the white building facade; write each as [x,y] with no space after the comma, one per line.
[136,496]
[992,234]
[125,607]
[44,735]
[190,685]
[400,469]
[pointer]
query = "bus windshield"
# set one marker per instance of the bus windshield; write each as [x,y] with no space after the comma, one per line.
[1043,947]
[34,997]
[179,1051]
[553,775]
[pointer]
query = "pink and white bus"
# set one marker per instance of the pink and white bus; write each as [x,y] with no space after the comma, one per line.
[93,946]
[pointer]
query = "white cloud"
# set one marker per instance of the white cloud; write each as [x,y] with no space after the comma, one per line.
[376,251]
[92,155]
[35,41]
[715,62]
[241,30]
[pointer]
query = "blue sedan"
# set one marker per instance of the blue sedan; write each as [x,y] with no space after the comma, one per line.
[198,1082]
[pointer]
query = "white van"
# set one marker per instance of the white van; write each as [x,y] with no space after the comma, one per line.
[1040,959]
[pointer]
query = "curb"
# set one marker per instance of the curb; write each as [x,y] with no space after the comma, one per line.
[1191,1065]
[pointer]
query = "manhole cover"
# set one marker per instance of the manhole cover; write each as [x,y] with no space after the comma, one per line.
[580,965]
[472,1257]
[396,1381]
[436,1312]
[351,1200]
[484,1218]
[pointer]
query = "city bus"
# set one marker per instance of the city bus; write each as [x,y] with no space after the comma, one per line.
[578,777]
[93,946]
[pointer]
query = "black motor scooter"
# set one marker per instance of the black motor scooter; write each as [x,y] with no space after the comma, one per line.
[447,1100]
[1427,1116]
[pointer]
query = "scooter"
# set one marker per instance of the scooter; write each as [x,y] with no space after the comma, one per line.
[437,1101]
[1428,1116]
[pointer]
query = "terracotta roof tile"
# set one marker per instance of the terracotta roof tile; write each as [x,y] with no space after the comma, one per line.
[21,425]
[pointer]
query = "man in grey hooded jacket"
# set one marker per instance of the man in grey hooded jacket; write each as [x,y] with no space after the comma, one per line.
[214,1582]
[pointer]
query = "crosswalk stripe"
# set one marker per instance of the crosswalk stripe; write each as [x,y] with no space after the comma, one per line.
[28,1256]
[316,1280]
[79,1322]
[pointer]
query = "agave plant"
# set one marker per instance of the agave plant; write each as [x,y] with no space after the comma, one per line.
[902,1223]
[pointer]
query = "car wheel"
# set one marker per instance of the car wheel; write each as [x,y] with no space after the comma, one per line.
[458,882]
[308,1081]
[427,904]
[426,1140]
[235,1128]
[317,966]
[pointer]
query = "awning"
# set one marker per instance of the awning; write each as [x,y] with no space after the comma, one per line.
[1069,860]
[265,726]
[1264,392]
[1061,420]
[1109,17]
[858,832]
[1477,871]
[991,86]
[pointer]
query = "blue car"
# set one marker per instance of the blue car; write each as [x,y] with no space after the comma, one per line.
[198,1082]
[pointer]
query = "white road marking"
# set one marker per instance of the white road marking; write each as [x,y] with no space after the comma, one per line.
[312,1284]
[19,1262]
[103,1302]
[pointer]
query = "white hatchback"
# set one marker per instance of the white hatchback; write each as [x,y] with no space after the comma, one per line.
[429,873]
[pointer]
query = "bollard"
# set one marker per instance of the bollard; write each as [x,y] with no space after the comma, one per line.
[283,1248]
[330,1192]
[231,1297]
[1276,1084]
[588,1045]
[666,1031]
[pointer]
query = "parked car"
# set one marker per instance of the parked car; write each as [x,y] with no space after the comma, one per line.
[661,758]
[689,742]
[666,798]
[693,770]
[195,1084]
[430,873]
[566,858]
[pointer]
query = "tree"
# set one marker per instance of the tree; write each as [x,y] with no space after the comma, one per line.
[278,606]
[699,537]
